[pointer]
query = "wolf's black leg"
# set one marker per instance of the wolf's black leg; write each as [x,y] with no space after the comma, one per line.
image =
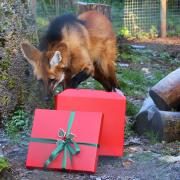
[77,79]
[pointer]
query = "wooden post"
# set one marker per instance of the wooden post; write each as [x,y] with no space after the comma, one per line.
[163,18]
[101,8]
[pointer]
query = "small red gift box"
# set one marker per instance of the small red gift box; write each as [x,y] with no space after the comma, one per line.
[111,104]
[64,140]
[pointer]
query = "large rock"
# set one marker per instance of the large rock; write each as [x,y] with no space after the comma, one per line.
[17,85]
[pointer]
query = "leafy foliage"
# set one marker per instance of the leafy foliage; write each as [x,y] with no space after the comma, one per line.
[152,136]
[3,164]
[140,34]
[153,32]
[18,122]
[131,109]
[124,32]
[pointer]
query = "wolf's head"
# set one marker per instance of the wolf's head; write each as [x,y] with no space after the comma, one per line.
[49,66]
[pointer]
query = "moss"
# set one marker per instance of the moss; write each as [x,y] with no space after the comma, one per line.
[3,164]
[4,77]
[11,83]
[5,100]
[5,64]
[6,61]
[33,38]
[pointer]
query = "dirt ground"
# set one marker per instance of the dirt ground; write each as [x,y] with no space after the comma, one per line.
[160,44]
[142,160]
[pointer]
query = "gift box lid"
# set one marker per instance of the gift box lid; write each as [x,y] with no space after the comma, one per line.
[48,127]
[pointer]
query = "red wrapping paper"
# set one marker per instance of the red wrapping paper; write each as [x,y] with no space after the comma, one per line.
[86,127]
[111,104]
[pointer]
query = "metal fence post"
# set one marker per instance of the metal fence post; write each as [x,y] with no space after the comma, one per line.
[163,18]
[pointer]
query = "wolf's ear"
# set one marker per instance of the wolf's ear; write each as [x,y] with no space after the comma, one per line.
[31,53]
[56,59]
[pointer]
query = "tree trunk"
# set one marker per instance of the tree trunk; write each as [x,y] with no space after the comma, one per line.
[166,93]
[18,88]
[164,124]
[101,8]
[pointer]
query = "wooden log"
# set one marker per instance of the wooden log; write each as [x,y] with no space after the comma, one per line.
[145,119]
[101,8]
[166,93]
[164,124]
[171,124]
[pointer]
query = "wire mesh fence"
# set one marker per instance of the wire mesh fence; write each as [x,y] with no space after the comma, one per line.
[173,17]
[135,16]
[48,9]
[51,8]
[141,15]
[109,2]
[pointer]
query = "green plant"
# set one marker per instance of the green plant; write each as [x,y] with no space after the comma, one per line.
[129,130]
[153,32]
[131,109]
[124,32]
[18,122]
[132,81]
[3,164]
[165,56]
[152,136]
[42,21]
[141,34]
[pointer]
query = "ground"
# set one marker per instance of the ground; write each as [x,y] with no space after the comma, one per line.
[138,69]
[141,161]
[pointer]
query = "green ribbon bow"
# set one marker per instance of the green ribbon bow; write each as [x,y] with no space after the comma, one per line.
[65,144]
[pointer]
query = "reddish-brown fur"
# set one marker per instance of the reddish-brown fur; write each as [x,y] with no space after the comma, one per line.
[90,48]
[102,47]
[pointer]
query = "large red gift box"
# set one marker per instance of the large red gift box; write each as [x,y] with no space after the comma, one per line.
[111,104]
[48,137]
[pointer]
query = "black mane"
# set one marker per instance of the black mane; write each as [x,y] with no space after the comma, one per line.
[54,32]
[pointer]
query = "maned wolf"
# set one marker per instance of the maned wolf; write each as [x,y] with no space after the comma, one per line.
[74,49]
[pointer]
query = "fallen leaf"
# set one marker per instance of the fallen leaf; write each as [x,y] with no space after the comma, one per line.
[127,163]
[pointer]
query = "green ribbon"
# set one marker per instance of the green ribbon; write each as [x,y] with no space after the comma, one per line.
[65,144]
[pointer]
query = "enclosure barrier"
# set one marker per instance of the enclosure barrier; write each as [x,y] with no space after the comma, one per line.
[137,16]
